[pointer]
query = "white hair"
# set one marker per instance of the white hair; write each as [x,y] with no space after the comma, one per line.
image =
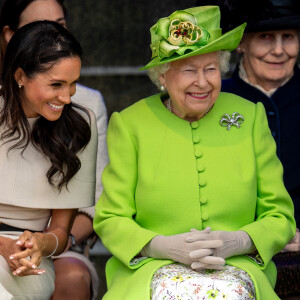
[155,72]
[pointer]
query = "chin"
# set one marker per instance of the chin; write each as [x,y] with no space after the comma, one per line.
[52,118]
[278,79]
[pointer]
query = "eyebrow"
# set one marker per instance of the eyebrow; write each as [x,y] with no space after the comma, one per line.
[63,81]
[60,19]
[188,65]
[58,80]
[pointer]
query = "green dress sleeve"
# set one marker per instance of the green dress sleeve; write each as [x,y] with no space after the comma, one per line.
[275,225]
[114,218]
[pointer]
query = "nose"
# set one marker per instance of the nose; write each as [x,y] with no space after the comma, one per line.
[65,95]
[278,46]
[65,99]
[201,80]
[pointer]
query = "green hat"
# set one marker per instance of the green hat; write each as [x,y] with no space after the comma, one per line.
[190,32]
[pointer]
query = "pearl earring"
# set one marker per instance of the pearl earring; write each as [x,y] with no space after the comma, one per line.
[19,85]
[162,88]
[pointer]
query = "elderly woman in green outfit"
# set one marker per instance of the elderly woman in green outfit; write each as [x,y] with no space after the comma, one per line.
[194,205]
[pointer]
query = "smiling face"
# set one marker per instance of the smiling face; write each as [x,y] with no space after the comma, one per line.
[47,93]
[193,85]
[270,57]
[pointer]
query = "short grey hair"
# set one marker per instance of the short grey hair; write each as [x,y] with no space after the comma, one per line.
[155,72]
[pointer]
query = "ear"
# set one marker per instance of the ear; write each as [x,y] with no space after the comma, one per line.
[239,49]
[7,33]
[20,76]
[244,43]
[162,80]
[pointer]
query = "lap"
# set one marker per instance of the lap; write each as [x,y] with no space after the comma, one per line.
[33,287]
[181,282]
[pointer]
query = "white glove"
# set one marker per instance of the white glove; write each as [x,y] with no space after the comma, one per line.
[176,247]
[294,244]
[233,242]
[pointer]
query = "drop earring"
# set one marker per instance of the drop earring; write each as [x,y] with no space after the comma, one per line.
[19,85]
[162,88]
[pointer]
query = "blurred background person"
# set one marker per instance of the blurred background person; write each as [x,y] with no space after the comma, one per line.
[48,156]
[193,177]
[267,72]
[76,276]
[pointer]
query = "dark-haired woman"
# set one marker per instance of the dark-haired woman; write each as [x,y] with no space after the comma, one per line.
[72,267]
[47,154]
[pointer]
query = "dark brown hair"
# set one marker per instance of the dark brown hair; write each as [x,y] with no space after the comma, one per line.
[35,48]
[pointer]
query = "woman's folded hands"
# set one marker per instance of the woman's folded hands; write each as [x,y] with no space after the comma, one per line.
[28,257]
[203,249]
[232,243]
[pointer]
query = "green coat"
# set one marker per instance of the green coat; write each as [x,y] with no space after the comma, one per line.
[167,175]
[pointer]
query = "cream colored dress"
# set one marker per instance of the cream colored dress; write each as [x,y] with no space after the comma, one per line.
[26,201]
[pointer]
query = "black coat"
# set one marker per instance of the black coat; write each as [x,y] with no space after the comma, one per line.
[283,112]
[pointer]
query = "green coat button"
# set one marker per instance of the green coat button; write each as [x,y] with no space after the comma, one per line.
[197,151]
[204,216]
[203,199]
[200,166]
[196,139]
[202,182]
[194,124]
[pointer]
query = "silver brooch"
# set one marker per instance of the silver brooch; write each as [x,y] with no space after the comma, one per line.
[227,121]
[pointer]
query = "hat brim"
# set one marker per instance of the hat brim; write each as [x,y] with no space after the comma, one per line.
[291,22]
[228,41]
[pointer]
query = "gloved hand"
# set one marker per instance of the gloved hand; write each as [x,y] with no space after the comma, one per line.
[294,244]
[233,242]
[176,247]
[207,262]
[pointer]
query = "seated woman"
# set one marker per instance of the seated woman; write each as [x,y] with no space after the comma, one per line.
[75,275]
[194,205]
[48,156]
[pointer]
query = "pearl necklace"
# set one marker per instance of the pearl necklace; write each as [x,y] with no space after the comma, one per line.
[168,106]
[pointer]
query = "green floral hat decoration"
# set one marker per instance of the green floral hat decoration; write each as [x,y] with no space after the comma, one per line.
[190,32]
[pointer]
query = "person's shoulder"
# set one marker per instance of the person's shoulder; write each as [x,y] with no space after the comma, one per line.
[230,103]
[88,114]
[140,112]
[89,98]
[233,84]
[236,100]
[140,107]
[83,91]
[227,81]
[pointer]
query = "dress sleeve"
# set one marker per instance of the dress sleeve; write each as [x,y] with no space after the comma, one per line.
[102,156]
[275,225]
[114,218]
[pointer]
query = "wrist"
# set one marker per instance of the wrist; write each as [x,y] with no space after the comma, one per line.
[52,236]
[247,245]
[152,248]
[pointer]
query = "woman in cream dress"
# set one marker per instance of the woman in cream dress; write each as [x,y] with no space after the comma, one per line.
[48,156]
